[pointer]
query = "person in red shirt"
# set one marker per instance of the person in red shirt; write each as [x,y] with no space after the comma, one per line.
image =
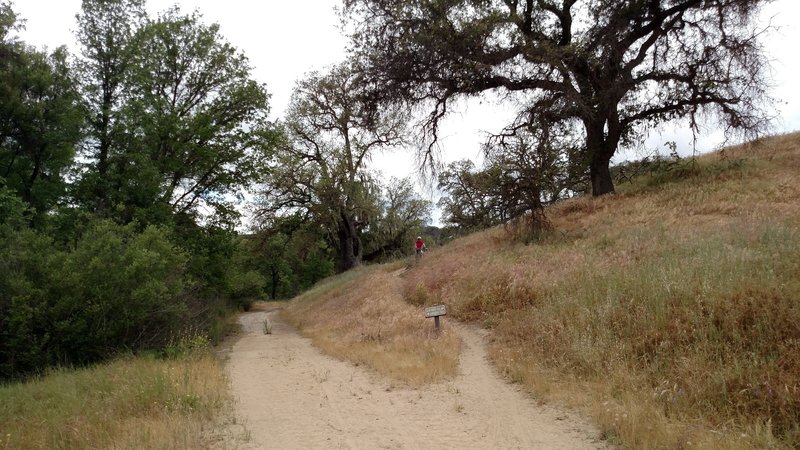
[420,246]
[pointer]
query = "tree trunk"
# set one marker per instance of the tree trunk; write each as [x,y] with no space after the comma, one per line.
[602,183]
[101,188]
[350,249]
[600,149]
[27,188]
[275,280]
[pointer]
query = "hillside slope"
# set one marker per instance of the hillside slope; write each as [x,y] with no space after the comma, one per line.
[667,312]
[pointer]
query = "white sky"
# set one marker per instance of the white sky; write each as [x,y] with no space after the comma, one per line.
[285,39]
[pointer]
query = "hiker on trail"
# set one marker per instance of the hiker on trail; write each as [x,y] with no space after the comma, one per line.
[420,246]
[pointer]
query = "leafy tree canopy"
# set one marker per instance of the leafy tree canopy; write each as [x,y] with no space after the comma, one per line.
[195,119]
[402,214]
[178,124]
[41,117]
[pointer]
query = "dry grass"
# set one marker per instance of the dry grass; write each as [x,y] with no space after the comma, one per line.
[669,312]
[361,317]
[129,403]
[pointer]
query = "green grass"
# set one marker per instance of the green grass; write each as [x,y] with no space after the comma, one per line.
[128,403]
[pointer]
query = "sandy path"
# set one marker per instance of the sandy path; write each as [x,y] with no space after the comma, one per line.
[292,396]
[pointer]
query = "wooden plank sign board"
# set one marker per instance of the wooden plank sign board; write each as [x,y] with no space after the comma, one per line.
[436,311]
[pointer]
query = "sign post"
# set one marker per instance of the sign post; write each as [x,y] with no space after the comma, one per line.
[435,312]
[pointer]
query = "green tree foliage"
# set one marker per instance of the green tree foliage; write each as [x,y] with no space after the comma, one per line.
[292,255]
[322,168]
[606,71]
[196,121]
[401,217]
[180,125]
[522,174]
[24,257]
[143,245]
[116,289]
[471,201]
[41,118]
[219,267]
[243,281]
[105,31]
[183,131]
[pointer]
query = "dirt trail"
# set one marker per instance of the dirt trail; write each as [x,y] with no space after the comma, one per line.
[292,396]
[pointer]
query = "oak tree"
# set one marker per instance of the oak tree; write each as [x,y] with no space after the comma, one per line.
[322,168]
[607,70]
[196,128]
[402,215]
[178,124]
[469,201]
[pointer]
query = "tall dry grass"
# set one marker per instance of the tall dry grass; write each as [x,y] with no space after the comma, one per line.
[129,403]
[361,317]
[669,311]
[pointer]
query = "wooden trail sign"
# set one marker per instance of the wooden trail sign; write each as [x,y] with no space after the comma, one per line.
[436,311]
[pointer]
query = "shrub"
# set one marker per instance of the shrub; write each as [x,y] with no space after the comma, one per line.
[26,263]
[118,289]
[245,286]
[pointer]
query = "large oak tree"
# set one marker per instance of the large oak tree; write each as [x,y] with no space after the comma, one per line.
[195,120]
[322,169]
[606,70]
[178,126]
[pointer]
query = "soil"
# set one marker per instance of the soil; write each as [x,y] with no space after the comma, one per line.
[289,395]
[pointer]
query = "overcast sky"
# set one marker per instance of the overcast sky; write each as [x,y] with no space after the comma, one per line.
[285,39]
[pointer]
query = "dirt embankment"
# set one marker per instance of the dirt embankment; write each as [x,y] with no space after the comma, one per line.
[289,395]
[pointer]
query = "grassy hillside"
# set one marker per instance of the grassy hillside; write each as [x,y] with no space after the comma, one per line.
[668,312]
[360,316]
